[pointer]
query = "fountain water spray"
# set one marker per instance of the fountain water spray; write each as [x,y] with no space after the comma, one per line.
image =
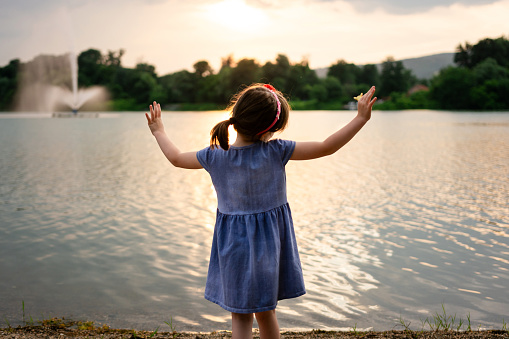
[74,72]
[50,84]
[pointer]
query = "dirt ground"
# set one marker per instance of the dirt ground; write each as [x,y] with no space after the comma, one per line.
[54,332]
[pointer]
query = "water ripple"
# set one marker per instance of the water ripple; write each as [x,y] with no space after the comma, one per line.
[412,214]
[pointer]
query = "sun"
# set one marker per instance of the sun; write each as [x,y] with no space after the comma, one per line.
[236,15]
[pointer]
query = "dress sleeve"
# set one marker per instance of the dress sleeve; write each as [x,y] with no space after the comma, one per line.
[286,148]
[203,157]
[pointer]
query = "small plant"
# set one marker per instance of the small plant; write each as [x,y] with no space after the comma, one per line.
[23,309]
[7,322]
[442,321]
[104,328]
[504,326]
[405,325]
[423,323]
[459,325]
[56,323]
[25,322]
[354,330]
[86,325]
[431,326]
[172,327]
[155,332]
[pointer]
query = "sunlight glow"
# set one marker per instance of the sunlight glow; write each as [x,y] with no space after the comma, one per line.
[237,15]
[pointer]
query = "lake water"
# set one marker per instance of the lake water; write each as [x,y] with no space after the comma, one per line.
[412,215]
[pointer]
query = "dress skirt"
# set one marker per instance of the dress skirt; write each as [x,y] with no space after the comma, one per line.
[254,261]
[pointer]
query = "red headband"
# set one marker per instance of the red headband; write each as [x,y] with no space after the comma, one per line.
[273,91]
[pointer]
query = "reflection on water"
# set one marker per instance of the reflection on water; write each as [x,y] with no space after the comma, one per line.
[412,214]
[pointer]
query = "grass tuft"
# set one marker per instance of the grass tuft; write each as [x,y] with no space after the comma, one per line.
[404,324]
[172,327]
[153,334]
[354,330]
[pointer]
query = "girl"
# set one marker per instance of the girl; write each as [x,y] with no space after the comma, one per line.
[254,260]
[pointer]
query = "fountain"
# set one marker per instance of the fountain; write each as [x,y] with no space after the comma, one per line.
[50,84]
[78,97]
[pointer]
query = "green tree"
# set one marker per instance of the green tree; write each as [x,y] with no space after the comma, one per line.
[223,85]
[114,58]
[401,101]
[463,55]
[318,93]
[279,69]
[209,90]
[471,55]
[144,88]
[244,73]
[179,87]
[491,95]
[347,73]
[299,77]
[89,68]
[269,72]
[369,75]
[450,89]
[227,62]
[334,88]
[490,86]
[8,83]
[394,77]
[202,68]
[489,69]
[147,68]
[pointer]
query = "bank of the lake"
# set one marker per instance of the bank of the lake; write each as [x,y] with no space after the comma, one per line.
[52,333]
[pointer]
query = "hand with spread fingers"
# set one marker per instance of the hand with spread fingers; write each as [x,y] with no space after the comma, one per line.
[365,104]
[155,123]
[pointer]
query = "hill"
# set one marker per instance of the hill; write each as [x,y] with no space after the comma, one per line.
[422,67]
[427,66]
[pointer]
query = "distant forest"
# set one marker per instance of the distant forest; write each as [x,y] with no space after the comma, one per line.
[479,80]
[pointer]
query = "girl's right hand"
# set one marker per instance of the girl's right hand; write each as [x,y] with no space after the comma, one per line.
[365,104]
[155,123]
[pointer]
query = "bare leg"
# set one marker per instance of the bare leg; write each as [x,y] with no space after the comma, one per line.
[267,322]
[242,326]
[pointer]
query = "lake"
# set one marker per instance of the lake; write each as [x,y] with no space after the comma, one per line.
[412,216]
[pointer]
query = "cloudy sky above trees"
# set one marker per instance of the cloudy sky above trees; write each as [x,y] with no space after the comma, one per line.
[173,34]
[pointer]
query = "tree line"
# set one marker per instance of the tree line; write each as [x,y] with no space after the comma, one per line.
[479,80]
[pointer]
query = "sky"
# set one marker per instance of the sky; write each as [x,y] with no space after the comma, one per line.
[172,35]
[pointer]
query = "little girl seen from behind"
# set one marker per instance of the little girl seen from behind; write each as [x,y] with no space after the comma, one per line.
[254,261]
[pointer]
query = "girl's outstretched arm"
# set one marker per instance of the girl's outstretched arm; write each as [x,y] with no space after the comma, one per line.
[172,153]
[316,149]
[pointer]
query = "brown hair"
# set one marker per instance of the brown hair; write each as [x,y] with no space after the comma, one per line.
[252,111]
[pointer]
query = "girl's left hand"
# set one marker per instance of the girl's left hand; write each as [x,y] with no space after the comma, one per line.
[155,123]
[365,104]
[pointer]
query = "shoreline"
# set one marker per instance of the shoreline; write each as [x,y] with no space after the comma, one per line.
[62,330]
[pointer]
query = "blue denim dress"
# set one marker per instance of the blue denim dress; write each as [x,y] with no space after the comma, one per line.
[254,261]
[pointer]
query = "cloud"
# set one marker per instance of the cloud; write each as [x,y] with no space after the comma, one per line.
[406,7]
[388,6]
[173,34]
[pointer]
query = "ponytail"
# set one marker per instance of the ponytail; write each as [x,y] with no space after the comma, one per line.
[219,135]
